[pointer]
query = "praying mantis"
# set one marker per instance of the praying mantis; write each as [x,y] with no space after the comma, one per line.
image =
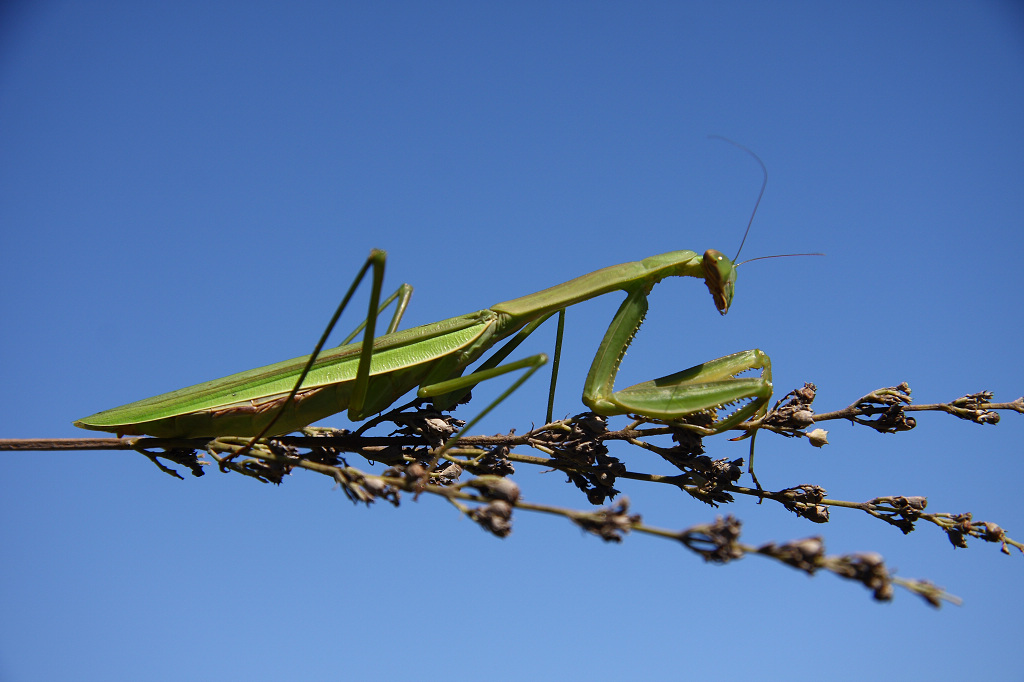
[366,378]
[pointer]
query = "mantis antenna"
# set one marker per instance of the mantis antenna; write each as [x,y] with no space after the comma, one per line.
[764,183]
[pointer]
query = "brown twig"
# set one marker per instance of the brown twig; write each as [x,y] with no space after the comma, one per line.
[577,447]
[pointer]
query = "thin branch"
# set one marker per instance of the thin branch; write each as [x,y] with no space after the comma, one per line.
[577,448]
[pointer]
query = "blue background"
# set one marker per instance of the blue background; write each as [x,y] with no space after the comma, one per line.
[187,188]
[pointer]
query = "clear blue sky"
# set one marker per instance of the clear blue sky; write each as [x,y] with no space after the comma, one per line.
[187,188]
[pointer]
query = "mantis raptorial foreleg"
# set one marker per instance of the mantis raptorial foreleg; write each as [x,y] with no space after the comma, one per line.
[702,387]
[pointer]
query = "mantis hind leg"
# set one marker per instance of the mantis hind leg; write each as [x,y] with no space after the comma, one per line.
[402,294]
[709,386]
[375,261]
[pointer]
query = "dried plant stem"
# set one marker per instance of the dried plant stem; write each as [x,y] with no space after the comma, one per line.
[577,448]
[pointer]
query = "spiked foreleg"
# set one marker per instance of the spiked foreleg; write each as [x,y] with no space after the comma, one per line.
[705,387]
[709,386]
[600,386]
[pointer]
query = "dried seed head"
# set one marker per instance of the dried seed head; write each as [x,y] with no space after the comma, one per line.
[818,438]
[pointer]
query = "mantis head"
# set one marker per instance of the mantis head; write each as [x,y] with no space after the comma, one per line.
[719,271]
[720,276]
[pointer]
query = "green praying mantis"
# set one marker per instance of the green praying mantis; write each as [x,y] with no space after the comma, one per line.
[366,378]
